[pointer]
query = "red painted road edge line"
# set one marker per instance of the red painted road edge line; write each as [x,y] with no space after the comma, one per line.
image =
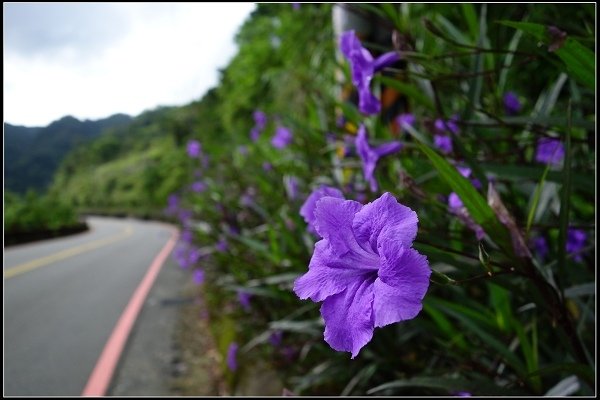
[101,376]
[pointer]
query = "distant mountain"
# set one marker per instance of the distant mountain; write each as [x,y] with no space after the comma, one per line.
[32,155]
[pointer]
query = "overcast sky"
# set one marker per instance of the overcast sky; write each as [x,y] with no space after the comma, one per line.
[92,60]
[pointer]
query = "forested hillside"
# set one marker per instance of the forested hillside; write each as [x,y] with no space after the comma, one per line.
[32,154]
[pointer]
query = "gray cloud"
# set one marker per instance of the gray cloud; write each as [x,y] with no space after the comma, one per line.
[48,29]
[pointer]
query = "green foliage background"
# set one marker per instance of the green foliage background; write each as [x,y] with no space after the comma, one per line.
[494,322]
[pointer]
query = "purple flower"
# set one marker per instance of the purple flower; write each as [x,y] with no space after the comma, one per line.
[512,105]
[462,394]
[172,204]
[194,148]
[466,172]
[364,269]
[291,186]
[363,67]
[267,166]
[232,356]
[254,133]
[450,125]
[370,156]
[541,246]
[243,150]
[456,207]
[576,239]
[307,211]
[198,187]
[296,6]
[549,151]
[244,299]
[222,245]
[187,236]
[198,276]
[283,137]
[260,119]
[275,338]
[443,142]
[260,122]
[405,119]
[454,201]
[186,255]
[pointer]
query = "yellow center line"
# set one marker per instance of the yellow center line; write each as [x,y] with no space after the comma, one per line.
[40,262]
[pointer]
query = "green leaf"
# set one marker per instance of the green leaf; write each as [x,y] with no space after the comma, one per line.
[563,217]
[478,208]
[471,17]
[578,60]
[441,279]
[585,372]
[536,200]
[450,386]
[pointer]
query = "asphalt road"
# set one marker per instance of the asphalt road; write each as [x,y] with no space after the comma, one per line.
[63,297]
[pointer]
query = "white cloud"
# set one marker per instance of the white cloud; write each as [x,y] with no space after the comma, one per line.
[164,54]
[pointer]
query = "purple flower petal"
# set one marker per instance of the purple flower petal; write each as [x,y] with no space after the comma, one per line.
[405,119]
[307,211]
[283,137]
[512,105]
[370,156]
[329,274]
[385,60]
[333,221]
[198,276]
[232,356]
[443,142]
[454,201]
[402,284]
[549,151]
[385,212]
[194,149]
[348,318]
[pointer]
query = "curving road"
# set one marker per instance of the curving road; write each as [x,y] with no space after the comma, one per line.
[63,297]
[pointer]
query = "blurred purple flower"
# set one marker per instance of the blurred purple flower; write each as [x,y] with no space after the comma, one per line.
[512,105]
[222,245]
[267,166]
[187,236]
[340,121]
[260,119]
[186,255]
[370,156]
[307,211]
[364,269]
[243,150]
[541,246]
[450,125]
[172,204]
[275,338]
[576,239]
[296,6]
[291,186]
[260,122]
[405,119]
[549,151]
[244,299]
[462,394]
[283,137]
[466,172]
[198,276]
[456,207]
[232,356]
[198,187]
[363,68]
[194,148]
[443,142]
